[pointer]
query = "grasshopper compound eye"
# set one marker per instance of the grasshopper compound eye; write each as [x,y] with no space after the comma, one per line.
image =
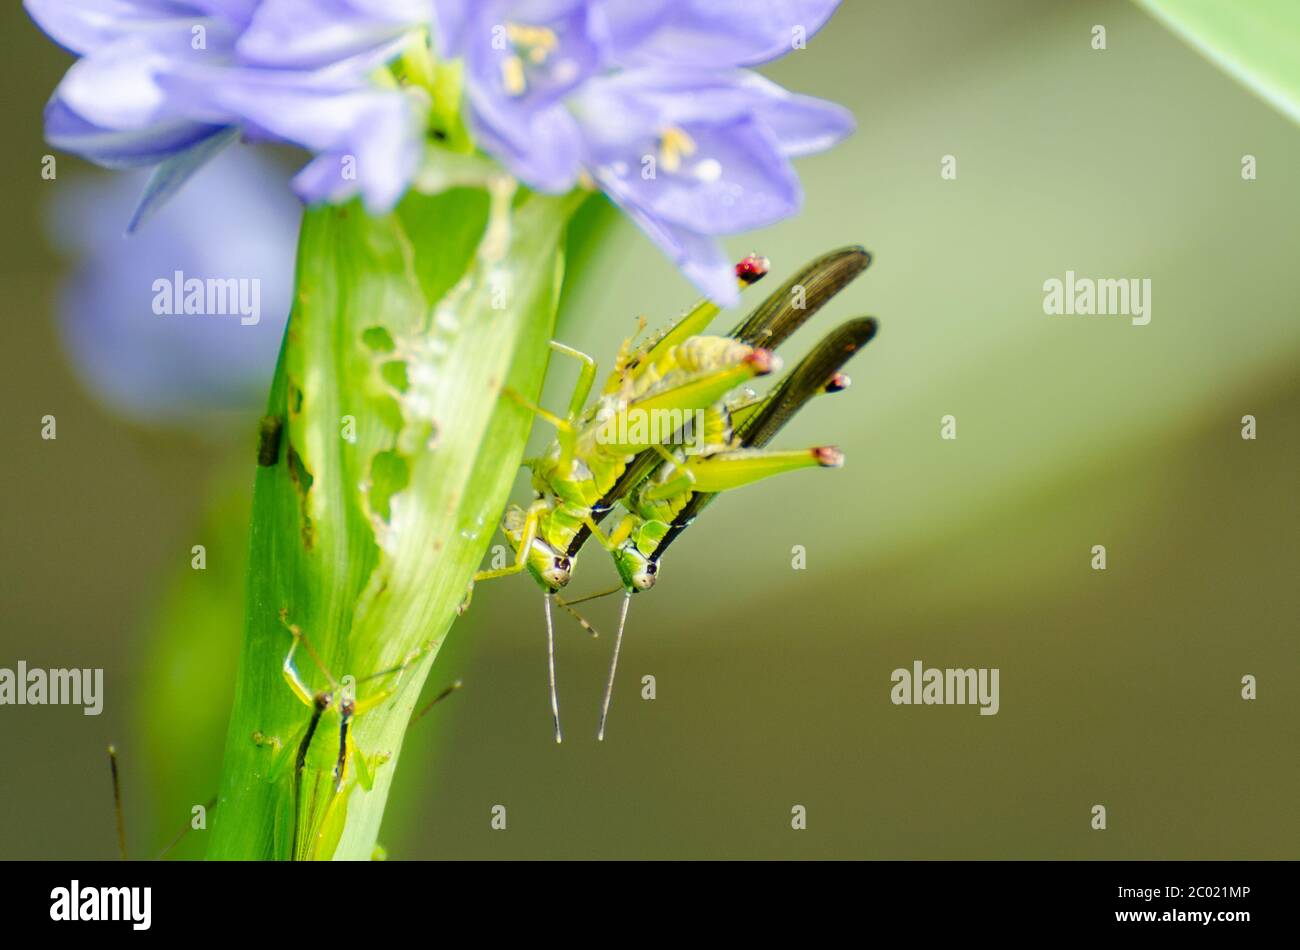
[645,578]
[559,572]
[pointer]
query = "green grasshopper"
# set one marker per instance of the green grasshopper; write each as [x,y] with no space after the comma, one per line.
[312,805]
[315,770]
[656,508]
[769,325]
[585,471]
[677,373]
[666,502]
[683,482]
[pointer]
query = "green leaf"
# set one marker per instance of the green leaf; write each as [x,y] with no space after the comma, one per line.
[394,462]
[1255,42]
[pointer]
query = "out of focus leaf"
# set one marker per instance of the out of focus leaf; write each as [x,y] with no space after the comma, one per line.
[1257,42]
[189,663]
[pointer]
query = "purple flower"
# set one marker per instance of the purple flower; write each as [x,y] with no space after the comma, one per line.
[522,59]
[716,33]
[237,222]
[162,81]
[646,98]
[693,154]
[309,34]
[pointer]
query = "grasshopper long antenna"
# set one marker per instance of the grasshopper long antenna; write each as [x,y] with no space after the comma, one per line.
[613,667]
[586,597]
[435,701]
[117,803]
[550,663]
[180,835]
[582,621]
[300,636]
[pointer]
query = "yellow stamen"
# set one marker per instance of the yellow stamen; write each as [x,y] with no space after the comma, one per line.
[512,76]
[674,143]
[539,41]
[533,45]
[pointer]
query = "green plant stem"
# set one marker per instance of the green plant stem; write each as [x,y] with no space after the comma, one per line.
[394,461]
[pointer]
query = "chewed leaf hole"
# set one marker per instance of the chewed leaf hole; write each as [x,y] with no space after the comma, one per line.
[302,481]
[390,473]
[394,373]
[378,339]
[268,441]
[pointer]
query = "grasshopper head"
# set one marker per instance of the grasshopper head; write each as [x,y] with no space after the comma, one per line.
[551,567]
[637,571]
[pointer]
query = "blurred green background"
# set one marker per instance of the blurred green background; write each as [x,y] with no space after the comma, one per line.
[1119,688]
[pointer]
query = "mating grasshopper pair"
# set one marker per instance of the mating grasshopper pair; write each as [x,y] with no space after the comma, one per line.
[613,452]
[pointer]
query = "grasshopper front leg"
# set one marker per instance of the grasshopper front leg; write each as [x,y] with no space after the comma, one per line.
[586,377]
[565,429]
[526,537]
[614,540]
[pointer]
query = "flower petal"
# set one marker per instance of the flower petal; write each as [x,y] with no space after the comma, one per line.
[522,59]
[170,175]
[532,72]
[803,125]
[84,26]
[369,138]
[711,32]
[700,257]
[677,96]
[542,149]
[308,34]
[112,148]
[236,12]
[123,85]
[449,20]
[320,180]
[733,179]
